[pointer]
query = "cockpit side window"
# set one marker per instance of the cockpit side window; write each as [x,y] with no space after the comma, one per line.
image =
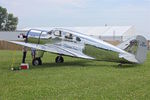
[45,35]
[50,33]
[57,33]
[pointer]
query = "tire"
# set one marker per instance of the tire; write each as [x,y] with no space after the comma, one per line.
[37,61]
[59,59]
[40,61]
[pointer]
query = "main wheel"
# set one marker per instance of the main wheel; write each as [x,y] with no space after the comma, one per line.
[37,61]
[59,59]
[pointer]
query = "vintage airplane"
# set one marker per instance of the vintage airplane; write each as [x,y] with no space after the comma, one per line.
[66,42]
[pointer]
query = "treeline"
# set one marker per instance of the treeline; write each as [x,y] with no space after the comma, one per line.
[8,22]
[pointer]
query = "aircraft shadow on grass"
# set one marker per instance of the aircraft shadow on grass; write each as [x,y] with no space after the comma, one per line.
[83,63]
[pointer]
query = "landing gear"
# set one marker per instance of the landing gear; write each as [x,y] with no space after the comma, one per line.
[59,59]
[36,61]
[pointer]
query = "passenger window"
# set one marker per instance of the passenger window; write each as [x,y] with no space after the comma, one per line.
[69,36]
[78,39]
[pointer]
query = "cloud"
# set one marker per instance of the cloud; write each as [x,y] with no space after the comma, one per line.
[41,11]
[24,7]
[79,12]
[57,3]
[75,3]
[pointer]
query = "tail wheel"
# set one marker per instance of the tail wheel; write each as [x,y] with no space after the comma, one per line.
[36,62]
[59,59]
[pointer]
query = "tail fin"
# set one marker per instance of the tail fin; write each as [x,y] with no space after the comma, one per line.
[137,46]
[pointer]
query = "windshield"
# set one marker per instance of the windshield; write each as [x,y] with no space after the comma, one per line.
[34,33]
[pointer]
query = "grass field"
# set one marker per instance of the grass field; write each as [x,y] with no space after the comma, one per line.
[76,79]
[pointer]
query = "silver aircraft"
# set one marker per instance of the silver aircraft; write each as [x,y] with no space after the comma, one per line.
[66,42]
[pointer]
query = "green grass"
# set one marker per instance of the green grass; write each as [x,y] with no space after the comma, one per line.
[76,79]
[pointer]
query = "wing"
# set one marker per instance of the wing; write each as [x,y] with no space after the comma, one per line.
[54,49]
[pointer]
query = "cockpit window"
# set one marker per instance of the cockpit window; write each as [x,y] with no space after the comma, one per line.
[44,35]
[34,33]
[57,33]
[50,32]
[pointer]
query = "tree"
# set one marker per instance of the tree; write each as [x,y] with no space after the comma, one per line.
[7,21]
[3,17]
[11,23]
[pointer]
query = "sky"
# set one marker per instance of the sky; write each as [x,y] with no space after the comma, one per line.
[51,13]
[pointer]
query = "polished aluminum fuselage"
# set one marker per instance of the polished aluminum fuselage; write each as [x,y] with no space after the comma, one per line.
[78,43]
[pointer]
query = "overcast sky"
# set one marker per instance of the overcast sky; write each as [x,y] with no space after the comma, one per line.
[44,13]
